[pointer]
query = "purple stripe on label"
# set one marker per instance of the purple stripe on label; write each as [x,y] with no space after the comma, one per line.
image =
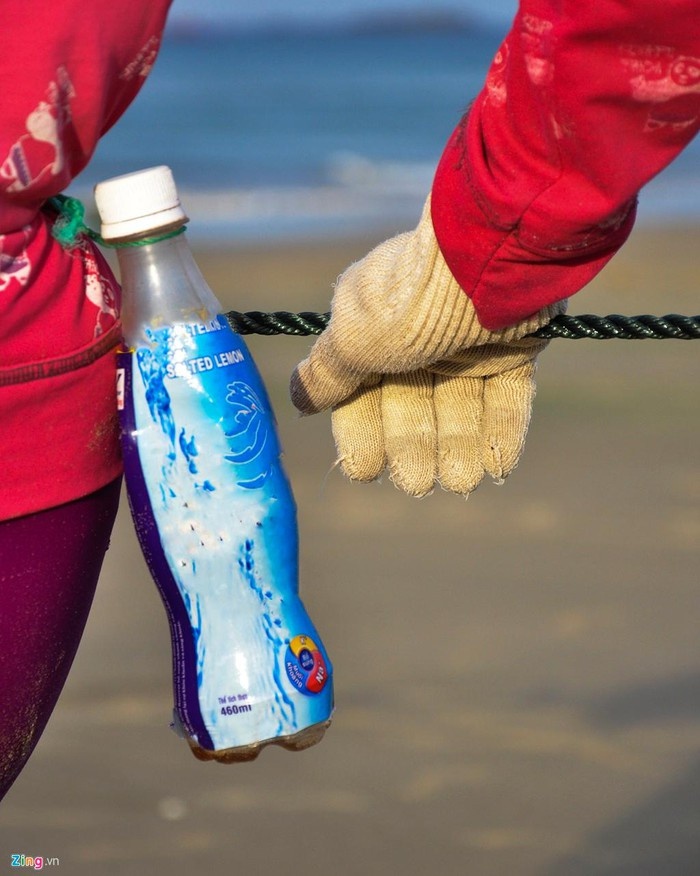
[185,685]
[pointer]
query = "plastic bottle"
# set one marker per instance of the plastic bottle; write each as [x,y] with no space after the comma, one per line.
[211,503]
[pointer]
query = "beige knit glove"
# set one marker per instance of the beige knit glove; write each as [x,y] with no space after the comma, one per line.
[415,382]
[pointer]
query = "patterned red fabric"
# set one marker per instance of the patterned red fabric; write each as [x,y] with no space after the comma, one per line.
[583,104]
[69,71]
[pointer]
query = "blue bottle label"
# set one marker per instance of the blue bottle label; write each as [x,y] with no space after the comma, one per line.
[217,522]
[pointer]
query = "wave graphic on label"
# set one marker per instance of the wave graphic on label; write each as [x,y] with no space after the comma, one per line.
[248,437]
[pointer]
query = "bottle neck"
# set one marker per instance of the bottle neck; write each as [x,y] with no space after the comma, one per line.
[161,285]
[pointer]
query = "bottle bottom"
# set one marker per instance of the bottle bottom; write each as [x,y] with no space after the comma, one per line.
[240,754]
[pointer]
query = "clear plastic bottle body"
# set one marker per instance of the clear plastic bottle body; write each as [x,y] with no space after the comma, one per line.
[162,285]
[215,515]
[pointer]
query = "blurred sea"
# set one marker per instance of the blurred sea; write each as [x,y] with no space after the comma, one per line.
[309,132]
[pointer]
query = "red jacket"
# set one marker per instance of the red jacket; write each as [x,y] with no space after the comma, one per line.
[584,104]
[69,70]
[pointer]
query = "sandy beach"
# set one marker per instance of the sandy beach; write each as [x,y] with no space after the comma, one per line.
[517,675]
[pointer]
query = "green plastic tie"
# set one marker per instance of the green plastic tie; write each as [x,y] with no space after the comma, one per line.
[69,227]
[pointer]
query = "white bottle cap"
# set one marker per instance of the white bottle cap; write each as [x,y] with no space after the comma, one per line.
[137,203]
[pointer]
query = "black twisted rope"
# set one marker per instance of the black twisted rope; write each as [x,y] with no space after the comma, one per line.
[644,327]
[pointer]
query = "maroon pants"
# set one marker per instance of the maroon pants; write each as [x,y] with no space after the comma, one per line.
[49,565]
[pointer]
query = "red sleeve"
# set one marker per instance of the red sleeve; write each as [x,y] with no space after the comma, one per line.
[69,70]
[583,104]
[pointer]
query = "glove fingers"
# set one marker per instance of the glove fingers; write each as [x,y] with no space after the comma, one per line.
[410,436]
[458,413]
[321,380]
[507,406]
[359,435]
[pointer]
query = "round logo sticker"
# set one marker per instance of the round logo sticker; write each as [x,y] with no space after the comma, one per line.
[306,668]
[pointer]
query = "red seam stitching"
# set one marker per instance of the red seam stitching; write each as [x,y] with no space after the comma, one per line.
[64,364]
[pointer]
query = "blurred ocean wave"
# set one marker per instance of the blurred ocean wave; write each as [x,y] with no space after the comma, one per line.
[339,209]
[360,197]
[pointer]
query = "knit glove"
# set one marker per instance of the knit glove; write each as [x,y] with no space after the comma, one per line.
[416,384]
